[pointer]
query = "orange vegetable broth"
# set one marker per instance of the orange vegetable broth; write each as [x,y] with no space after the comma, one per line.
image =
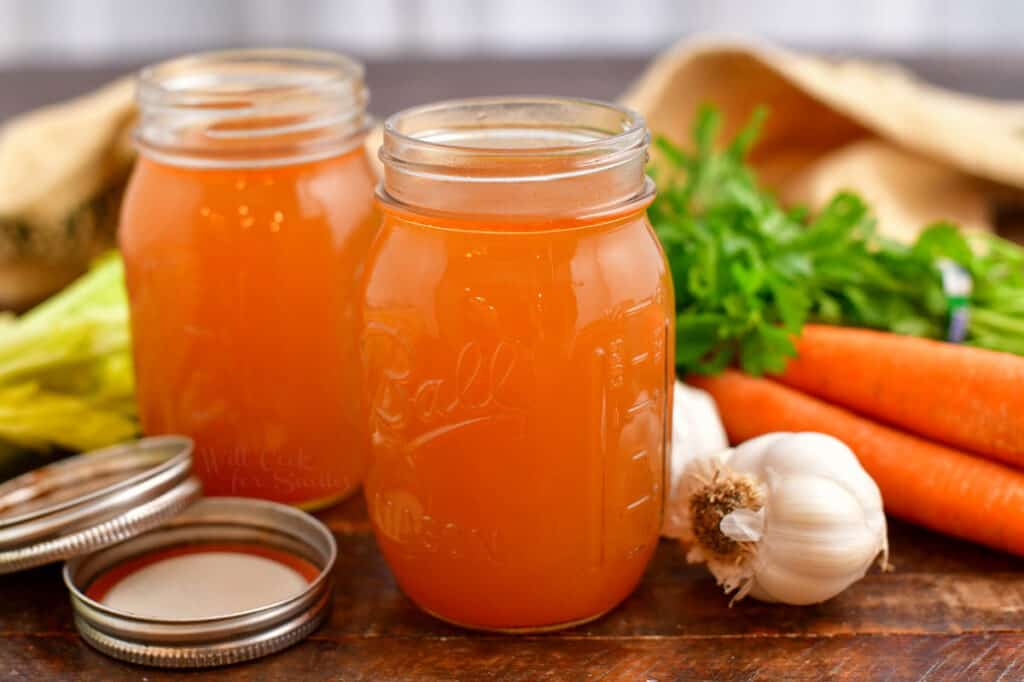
[242,288]
[519,378]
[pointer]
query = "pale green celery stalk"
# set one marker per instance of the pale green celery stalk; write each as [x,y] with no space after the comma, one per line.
[84,338]
[108,381]
[65,367]
[37,419]
[103,285]
[86,321]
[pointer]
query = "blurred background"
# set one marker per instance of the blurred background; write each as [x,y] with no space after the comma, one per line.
[419,49]
[114,30]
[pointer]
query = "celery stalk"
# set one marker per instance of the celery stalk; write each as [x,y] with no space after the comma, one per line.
[66,375]
[37,419]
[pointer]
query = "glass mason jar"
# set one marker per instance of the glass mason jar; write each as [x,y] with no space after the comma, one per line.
[518,339]
[244,229]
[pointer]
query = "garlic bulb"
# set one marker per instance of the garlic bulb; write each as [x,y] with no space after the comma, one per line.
[697,431]
[786,517]
[696,427]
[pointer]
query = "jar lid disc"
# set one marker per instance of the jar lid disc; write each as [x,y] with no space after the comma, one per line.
[78,505]
[229,579]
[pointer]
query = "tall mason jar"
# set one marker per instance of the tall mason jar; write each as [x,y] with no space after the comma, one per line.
[244,231]
[517,339]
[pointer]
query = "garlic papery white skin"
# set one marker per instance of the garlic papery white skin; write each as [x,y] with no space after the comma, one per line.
[786,517]
[697,431]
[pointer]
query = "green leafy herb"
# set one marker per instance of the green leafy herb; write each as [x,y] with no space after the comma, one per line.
[749,273]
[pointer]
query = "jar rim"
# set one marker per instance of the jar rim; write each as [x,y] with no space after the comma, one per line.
[633,126]
[251,107]
[515,158]
[633,122]
[155,80]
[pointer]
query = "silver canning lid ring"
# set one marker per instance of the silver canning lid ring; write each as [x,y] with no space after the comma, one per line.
[94,500]
[223,639]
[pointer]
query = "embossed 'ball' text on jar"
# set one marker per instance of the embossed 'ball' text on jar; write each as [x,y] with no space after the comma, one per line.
[244,231]
[517,343]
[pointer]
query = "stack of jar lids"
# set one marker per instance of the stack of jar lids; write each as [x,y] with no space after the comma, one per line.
[159,575]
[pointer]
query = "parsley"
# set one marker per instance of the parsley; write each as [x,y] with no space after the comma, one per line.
[749,273]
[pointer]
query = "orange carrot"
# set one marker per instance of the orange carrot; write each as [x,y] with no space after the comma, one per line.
[922,482]
[966,397]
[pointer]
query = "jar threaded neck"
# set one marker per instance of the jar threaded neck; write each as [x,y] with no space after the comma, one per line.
[251,108]
[516,157]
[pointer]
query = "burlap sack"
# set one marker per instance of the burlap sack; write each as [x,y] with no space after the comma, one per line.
[916,152]
[61,172]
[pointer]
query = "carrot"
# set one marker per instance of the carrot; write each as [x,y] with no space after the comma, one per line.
[966,397]
[922,482]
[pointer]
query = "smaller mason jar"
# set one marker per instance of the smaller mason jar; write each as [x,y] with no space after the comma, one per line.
[244,230]
[517,338]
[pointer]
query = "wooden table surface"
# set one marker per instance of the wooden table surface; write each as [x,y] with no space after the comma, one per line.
[950,610]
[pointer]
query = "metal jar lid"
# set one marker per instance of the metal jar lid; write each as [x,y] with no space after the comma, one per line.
[220,639]
[90,501]
[112,509]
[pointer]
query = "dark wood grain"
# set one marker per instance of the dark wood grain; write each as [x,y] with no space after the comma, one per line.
[951,610]
[970,657]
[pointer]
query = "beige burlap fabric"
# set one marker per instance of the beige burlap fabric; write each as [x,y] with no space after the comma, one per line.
[916,152]
[61,172]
